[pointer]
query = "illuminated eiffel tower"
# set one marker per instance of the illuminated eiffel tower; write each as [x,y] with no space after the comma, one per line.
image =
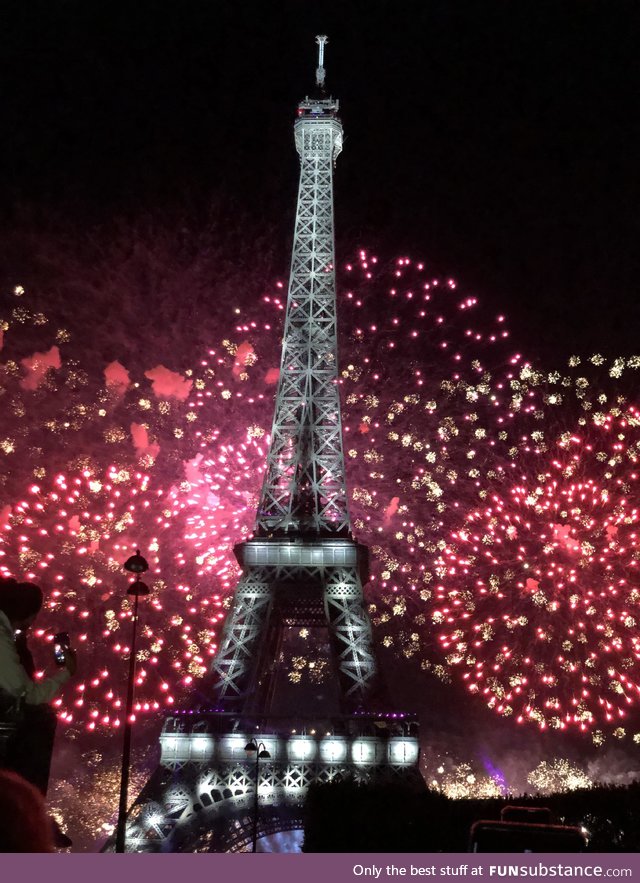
[301,570]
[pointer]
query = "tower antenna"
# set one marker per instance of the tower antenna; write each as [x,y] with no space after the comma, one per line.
[322,41]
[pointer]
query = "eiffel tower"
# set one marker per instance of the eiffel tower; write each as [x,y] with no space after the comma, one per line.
[301,570]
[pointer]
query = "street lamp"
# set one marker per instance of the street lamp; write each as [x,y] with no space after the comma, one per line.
[135,564]
[261,754]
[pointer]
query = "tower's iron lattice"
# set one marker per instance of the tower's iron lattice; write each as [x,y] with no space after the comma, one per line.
[302,568]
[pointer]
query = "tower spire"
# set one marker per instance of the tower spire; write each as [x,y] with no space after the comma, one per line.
[322,41]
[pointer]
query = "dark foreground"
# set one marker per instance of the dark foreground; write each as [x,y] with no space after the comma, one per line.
[346,817]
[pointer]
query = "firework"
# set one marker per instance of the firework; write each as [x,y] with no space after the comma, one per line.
[558,776]
[536,603]
[105,460]
[460,780]
[448,435]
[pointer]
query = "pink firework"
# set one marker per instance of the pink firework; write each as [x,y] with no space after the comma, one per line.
[112,458]
[537,602]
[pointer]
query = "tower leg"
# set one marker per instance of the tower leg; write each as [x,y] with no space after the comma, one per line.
[234,668]
[350,630]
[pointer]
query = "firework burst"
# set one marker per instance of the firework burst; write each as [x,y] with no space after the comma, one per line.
[105,460]
[536,605]
[448,436]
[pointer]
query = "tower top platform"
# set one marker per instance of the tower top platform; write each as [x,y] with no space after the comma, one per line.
[318,107]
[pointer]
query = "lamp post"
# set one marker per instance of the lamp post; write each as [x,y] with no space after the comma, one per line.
[261,754]
[135,564]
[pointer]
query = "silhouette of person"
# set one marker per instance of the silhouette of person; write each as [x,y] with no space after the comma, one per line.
[28,750]
[24,824]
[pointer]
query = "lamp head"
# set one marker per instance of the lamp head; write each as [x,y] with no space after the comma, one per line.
[136,563]
[138,588]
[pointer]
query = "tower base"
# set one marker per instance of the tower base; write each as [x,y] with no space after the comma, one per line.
[201,797]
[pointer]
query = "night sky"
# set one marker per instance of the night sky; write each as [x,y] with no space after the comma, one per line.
[496,140]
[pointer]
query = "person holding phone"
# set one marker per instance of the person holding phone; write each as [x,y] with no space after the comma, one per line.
[24,702]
